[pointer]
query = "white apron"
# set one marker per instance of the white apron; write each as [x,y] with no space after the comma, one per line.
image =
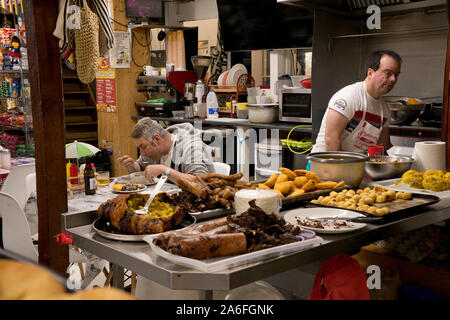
[364,135]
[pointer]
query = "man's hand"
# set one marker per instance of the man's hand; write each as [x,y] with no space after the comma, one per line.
[128,163]
[153,170]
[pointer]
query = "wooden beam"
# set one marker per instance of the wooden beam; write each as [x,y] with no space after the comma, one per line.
[48,124]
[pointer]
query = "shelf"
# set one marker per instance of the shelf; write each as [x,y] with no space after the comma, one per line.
[83,139]
[80,123]
[77,92]
[81,108]
[15,128]
[157,26]
[13,71]
[4,98]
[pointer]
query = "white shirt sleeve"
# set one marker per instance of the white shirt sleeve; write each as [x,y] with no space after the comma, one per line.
[346,101]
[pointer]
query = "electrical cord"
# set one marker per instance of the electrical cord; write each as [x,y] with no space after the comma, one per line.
[133,37]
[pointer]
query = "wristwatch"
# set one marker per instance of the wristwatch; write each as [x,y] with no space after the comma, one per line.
[167,172]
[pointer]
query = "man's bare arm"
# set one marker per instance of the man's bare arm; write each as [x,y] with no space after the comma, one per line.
[335,125]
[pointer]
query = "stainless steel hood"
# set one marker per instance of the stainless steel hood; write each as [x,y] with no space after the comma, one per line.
[358,7]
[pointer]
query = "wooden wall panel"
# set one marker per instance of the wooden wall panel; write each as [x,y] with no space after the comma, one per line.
[116,127]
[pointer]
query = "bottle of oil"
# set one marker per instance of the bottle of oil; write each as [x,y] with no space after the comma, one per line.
[89,178]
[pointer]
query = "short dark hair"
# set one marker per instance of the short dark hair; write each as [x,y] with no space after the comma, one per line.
[373,61]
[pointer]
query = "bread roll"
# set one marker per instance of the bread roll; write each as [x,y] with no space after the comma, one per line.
[23,281]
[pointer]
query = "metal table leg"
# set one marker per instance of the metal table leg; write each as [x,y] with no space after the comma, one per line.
[205,294]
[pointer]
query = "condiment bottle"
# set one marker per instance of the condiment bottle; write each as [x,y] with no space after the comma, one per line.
[74,173]
[89,178]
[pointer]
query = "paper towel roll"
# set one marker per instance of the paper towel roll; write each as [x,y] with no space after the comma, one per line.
[430,155]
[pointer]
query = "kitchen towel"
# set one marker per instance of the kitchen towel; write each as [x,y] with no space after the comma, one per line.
[429,155]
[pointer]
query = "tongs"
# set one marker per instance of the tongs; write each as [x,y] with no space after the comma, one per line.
[155,191]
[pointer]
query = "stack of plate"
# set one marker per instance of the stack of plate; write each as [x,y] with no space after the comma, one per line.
[230,77]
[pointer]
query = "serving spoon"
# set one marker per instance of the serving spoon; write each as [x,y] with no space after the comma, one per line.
[155,191]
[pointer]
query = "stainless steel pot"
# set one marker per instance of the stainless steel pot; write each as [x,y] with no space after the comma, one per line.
[403,113]
[388,167]
[338,166]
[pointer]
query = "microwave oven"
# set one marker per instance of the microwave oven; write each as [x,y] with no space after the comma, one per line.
[295,105]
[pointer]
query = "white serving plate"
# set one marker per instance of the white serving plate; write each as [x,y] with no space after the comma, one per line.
[405,187]
[292,215]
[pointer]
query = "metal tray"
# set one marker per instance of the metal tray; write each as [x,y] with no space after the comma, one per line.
[311,195]
[214,213]
[399,208]
[99,226]
[306,196]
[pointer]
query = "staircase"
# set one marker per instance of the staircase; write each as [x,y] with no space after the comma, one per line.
[80,111]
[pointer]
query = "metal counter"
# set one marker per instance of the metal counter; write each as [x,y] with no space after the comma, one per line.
[139,258]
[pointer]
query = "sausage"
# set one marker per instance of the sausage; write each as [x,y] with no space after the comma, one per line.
[209,246]
[193,188]
[235,176]
[212,227]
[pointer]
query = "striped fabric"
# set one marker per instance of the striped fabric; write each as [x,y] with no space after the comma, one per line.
[101,10]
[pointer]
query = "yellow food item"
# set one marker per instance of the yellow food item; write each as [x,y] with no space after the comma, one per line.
[263,186]
[413,178]
[325,185]
[340,184]
[406,195]
[291,175]
[284,187]
[118,186]
[312,176]
[300,173]
[309,186]
[413,101]
[446,178]
[296,192]
[271,181]
[281,178]
[300,181]
[440,173]
[434,183]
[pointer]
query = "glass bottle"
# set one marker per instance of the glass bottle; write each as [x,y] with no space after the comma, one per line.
[89,178]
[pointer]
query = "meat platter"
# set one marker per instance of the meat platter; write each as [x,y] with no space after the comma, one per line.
[101,227]
[222,263]
[231,241]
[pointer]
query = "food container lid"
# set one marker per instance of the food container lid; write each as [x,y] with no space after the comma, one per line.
[267,105]
[337,157]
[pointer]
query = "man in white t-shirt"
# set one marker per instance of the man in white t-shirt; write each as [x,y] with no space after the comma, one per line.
[356,116]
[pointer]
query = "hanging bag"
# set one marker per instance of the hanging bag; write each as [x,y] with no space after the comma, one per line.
[87,50]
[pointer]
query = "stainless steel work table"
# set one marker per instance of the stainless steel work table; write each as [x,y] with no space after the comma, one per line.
[139,258]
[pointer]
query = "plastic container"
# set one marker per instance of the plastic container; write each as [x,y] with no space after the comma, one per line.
[212,106]
[242,112]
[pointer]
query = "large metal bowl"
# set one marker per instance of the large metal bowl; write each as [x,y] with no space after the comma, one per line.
[403,113]
[338,166]
[387,167]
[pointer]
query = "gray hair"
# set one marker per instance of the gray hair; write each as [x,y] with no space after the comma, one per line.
[147,128]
